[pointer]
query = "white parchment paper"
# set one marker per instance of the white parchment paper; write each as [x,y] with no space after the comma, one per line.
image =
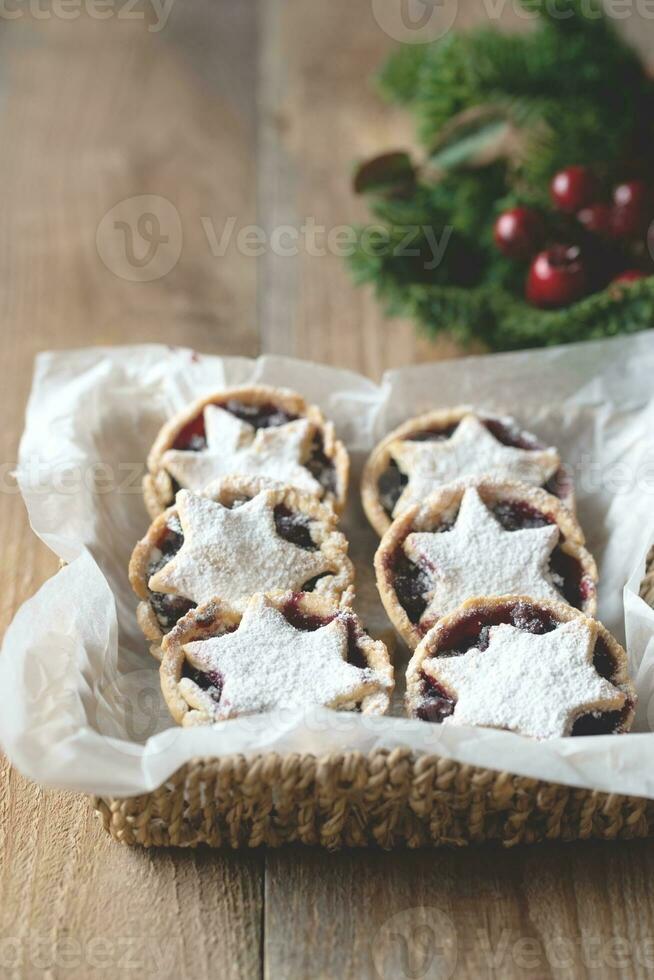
[80,705]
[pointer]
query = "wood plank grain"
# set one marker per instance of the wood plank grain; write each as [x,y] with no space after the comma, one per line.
[321,115]
[93,112]
[546,912]
[550,911]
[78,905]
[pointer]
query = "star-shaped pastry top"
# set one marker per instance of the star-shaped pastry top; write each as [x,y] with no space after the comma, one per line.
[471,451]
[267,663]
[230,554]
[235,447]
[532,684]
[479,557]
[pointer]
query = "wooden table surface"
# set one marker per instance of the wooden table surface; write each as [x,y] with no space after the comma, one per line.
[252,113]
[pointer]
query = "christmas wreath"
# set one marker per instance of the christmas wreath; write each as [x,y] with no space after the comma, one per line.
[526,220]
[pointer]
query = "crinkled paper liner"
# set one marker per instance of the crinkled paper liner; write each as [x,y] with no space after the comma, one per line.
[81,706]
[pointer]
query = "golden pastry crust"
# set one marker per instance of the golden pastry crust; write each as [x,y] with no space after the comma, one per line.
[190,707]
[442,507]
[380,459]
[483,610]
[337,586]
[157,483]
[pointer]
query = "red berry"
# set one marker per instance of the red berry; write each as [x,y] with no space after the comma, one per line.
[518,232]
[631,275]
[627,222]
[557,277]
[573,188]
[596,218]
[635,193]
[632,209]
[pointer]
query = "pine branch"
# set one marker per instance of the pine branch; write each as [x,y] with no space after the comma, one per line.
[570,91]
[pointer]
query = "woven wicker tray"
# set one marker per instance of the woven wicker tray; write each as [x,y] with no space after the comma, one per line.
[354,800]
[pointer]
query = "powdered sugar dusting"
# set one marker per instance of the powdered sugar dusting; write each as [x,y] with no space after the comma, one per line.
[232,553]
[472,451]
[479,557]
[267,663]
[235,447]
[531,684]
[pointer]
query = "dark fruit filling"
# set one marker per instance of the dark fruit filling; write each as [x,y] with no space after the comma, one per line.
[569,578]
[513,515]
[192,437]
[411,582]
[473,630]
[600,723]
[260,416]
[607,722]
[320,466]
[168,608]
[210,681]
[390,485]
[297,617]
[436,703]
[511,435]
[392,482]
[294,528]
[567,573]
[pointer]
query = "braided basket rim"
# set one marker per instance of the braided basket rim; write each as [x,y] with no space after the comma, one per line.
[385,798]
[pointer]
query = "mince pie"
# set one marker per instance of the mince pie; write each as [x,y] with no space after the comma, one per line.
[287,651]
[237,538]
[540,669]
[251,431]
[445,446]
[487,539]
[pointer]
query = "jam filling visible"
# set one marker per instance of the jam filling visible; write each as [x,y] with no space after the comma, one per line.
[212,681]
[294,528]
[392,482]
[297,617]
[169,609]
[607,722]
[473,630]
[192,437]
[514,515]
[412,582]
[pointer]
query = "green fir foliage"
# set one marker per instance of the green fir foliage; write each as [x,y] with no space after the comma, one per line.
[567,91]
